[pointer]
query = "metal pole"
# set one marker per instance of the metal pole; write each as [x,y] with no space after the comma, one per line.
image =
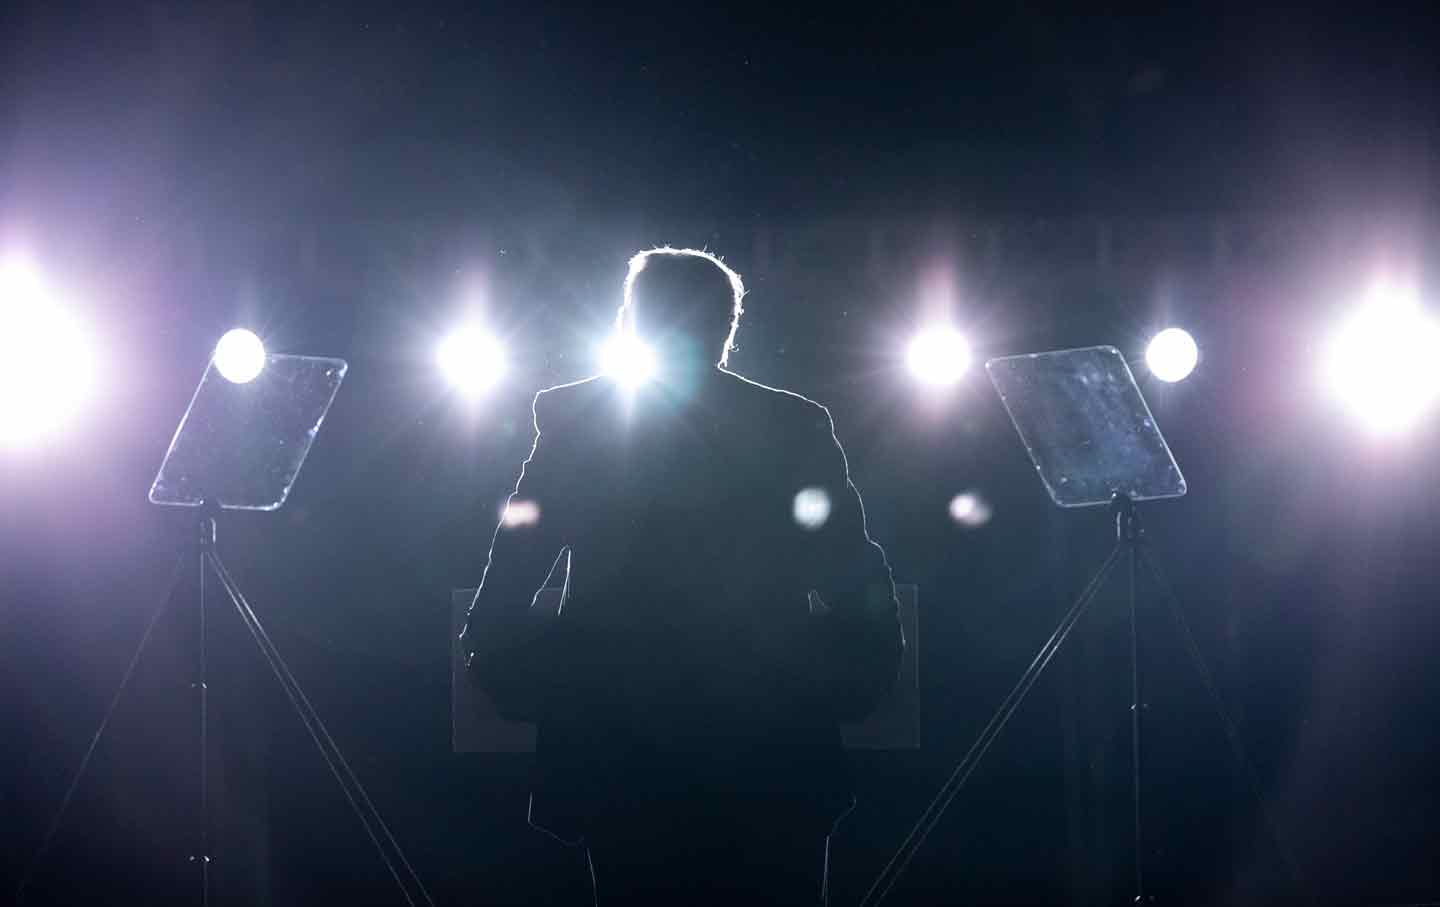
[1128,528]
[207,544]
[1136,704]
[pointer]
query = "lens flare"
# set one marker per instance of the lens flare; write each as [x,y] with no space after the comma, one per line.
[811,508]
[519,512]
[970,509]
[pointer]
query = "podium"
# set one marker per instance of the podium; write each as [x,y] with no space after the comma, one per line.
[476,727]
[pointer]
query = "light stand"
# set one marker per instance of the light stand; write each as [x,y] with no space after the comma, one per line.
[376,830]
[1092,439]
[241,447]
[1127,543]
[206,558]
[1130,543]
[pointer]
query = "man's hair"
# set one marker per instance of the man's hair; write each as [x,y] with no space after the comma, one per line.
[699,276]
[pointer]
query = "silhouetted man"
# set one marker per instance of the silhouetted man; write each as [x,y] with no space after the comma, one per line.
[715,629]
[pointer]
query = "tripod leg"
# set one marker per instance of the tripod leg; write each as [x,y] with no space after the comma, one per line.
[943,798]
[350,785]
[54,827]
[1137,705]
[1237,746]
[203,690]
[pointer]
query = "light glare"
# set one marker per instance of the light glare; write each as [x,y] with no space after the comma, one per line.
[938,356]
[627,359]
[472,359]
[46,360]
[1383,364]
[1172,355]
[239,356]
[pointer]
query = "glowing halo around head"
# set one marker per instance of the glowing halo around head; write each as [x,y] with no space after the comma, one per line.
[938,356]
[472,359]
[1172,355]
[1383,362]
[47,362]
[627,359]
[239,356]
[625,318]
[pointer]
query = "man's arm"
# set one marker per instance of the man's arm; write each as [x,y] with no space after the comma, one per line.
[856,636]
[505,639]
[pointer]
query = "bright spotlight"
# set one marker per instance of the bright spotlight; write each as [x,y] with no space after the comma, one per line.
[239,356]
[46,360]
[627,359]
[472,359]
[1172,355]
[938,356]
[811,508]
[1384,362]
[19,284]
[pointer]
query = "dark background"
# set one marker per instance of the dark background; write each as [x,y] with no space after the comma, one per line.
[351,181]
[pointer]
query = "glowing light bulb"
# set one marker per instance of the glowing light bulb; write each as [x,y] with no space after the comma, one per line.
[240,356]
[938,356]
[1383,363]
[47,362]
[628,360]
[1172,355]
[472,359]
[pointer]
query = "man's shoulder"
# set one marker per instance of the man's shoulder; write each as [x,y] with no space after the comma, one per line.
[786,405]
[572,403]
[561,403]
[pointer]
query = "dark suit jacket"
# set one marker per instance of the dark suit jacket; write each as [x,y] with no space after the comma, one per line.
[688,669]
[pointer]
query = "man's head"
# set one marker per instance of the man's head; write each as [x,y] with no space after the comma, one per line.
[683,293]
